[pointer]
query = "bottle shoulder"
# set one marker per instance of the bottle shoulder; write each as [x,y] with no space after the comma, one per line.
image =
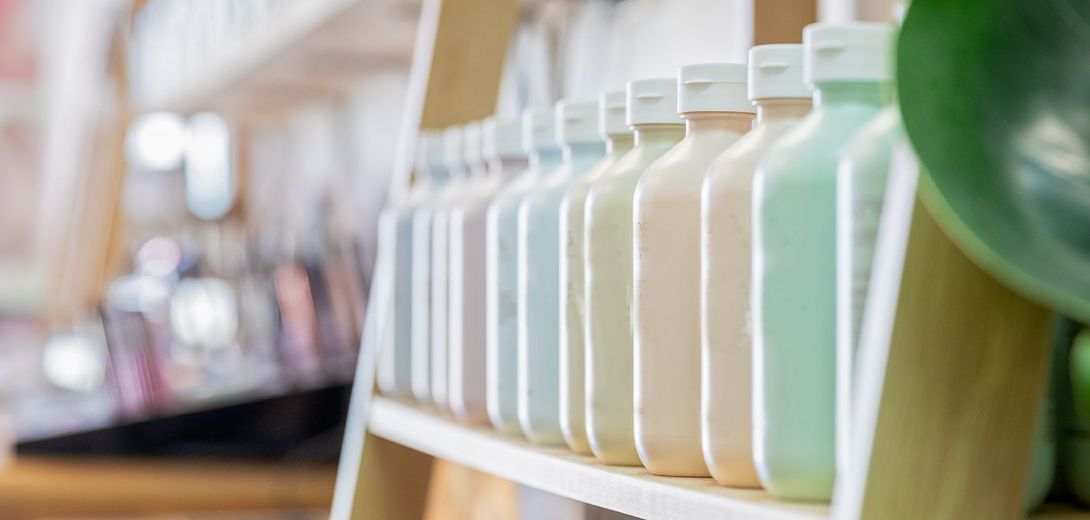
[688,162]
[876,137]
[627,170]
[818,138]
[738,164]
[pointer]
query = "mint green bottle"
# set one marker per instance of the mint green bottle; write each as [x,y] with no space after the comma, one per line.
[1071,377]
[794,264]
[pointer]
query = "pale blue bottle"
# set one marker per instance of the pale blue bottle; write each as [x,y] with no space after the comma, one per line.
[539,140]
[794,260]
[539,273]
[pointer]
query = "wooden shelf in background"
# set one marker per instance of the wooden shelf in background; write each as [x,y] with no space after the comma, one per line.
[632,491]
[53,487]
[315,49]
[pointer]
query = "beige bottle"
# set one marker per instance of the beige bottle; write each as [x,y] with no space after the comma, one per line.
[776,88]
[652,114]
[612,125]
[666,269]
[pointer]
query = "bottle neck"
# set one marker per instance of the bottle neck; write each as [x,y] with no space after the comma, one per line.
[539,156]
[577,149]
[457,173]
[782,108]
[654,134]
[874,93]
[717,122]
[507,167]
[619,143]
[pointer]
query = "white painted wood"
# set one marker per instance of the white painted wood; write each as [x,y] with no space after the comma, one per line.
[628,490]
[376,324]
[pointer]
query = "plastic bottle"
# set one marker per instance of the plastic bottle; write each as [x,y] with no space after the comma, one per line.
[652,114]
[502,148]
[862,173]
[431,142]
[794,260]
[396,240]
[666,269]
[781,98]
[611,124]
[466,328]
[539,141]
[453,151]
[539,277]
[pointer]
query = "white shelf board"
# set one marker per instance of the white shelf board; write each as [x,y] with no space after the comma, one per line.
[316,49]
[632,491]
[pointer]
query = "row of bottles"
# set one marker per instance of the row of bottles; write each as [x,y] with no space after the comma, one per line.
[672,277]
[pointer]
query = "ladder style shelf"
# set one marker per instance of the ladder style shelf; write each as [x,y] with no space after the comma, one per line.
[628,490]
[945,432]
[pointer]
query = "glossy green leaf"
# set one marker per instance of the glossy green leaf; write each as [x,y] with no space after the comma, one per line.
[995,96]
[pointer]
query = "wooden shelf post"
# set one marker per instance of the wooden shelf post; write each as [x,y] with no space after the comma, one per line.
[953,368]
[457,64]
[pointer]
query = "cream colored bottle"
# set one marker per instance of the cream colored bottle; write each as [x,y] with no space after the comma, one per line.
[465,357]
[666,269]
[726,404]
[652,114]
[431,142]
[611,121]
[539,141]
[460,183]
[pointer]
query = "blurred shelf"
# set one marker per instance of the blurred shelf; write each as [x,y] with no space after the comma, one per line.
[305,424]
[1060,512]
[56,487]
[628,490]
[314,49]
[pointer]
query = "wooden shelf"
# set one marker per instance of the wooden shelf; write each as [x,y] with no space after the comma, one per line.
[84,488]
[631,491]
[314,49]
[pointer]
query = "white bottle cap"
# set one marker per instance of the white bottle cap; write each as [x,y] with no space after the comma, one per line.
[854,51]
[453,149]
[652,102]
[471,141]
[611,114]
[431,152]
[539,129]
[712,87]
[577,122]
[775,71]
[502,138]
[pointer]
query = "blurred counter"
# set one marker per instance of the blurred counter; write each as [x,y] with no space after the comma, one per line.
[36,488]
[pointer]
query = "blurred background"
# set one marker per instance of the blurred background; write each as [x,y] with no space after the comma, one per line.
[189,195]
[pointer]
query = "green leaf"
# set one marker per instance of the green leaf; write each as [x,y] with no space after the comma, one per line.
[995,96]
